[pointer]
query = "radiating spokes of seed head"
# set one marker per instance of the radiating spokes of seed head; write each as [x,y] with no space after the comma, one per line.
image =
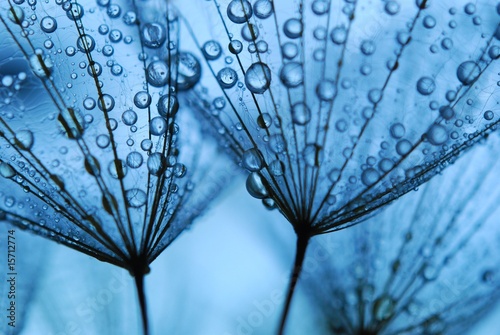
[427,265]
[337,108]
[96,151]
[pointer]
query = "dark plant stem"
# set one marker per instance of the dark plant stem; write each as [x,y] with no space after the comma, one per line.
[302,241]
[139,283]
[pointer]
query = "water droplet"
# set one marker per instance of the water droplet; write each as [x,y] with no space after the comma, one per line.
[212,50]
[263,9]
[383,308]
[157,126]
[239,11]
[313,155]
[117,169]
[429,22]
[468,72]
[188,72]
[301,114]
[156,164]
[277,168]
[385,165]
[157,73]
[24,139]
[135,197]
[293,28]
[255,186]
[367,48]
[488,115]
[89,103]
[292,74]
[168,105]
[6,170]
[437,134]
[142,99]
[369,176]
[446,112]
[48,24]
[16,14]
[153,35]
[403,147]
[134,159]
[129,117]
[102,141]
[252,160]
[85,43]
[391,7]
[114,11]
[426,86]
[109,103]
[258,78]
[41,66]
[290,50]
[320,7]
[338,35]
[250,32]
[264,120]
[397,130]
[235,47]
[277,143]
[447,43]
[326,90]
[146,144]
[227,77]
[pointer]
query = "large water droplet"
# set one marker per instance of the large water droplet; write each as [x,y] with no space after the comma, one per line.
[425,85]
[156,164]
[158,126]
[135,197]
[263,9]
[6,170]
[252,160]
[24,139]
[326,90]
[437,134]
[468,72]
[188,71]
[292,74]
[134,159]
[369,176]
[293,28]
[258,78]
[157,73]
[142,99]
[168,105]
[227,77]
[212,50]
[239,11]
[48,24]
[383,308]
[255,186]
[301,114]
[153,35]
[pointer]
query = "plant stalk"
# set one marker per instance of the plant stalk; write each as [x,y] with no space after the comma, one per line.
[139,283]
[302,242]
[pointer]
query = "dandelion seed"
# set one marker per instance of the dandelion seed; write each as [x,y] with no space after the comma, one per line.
[426,265]
[369,67]
[95,150]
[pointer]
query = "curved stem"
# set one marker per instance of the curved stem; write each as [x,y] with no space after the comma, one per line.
[302,241]
[139,283]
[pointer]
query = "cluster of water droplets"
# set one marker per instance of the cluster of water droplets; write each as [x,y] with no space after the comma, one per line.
[91,127]
[324,105]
